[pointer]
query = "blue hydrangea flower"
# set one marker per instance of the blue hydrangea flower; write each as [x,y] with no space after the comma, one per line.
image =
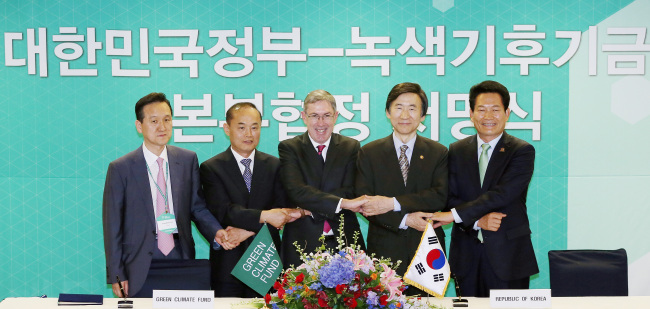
[338,271]
[372,299]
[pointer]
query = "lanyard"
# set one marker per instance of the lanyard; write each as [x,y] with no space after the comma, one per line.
[158,187]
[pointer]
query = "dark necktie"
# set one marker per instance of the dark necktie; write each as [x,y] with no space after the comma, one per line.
[248,176]
[326,225]
[404,163]
[320,152]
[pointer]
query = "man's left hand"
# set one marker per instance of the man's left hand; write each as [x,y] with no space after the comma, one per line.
[442,218]
[237,235]
[377,205]
[418,220]
[222,239]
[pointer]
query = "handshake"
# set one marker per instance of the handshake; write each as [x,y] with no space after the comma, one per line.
[232,236]
[377,205]
[369,205]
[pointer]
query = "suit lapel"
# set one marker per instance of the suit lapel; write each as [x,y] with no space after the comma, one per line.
[393,169]
[232,169]
[176,171]
[141,176]
[470,155]
[332,155]
[259,174]
[498,158]
[313,160]
[415,166]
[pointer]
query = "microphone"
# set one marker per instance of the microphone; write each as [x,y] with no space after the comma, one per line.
[459,302]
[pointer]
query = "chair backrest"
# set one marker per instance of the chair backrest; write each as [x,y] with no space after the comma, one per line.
[588,272]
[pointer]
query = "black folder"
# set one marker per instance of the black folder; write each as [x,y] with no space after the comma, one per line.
[80,299]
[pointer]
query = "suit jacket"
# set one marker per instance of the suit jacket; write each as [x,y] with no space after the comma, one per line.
[229,201]
[129,219]
[379,173]
[317,188]
[510,169]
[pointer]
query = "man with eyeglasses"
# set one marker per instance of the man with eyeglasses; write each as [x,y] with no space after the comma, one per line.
[404,176]
[317,169]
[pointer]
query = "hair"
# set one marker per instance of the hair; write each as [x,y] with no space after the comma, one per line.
[489,86]
[154,97]
[230,114]
[319,95]
[403,88]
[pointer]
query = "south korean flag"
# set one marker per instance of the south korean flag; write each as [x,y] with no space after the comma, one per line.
[429,269]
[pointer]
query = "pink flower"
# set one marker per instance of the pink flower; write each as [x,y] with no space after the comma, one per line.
[361,261]
[391,282]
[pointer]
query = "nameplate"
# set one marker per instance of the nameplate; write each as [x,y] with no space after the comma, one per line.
[166,299]
[520,298]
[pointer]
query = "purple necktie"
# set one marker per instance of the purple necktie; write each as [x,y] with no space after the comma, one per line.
[326,226]
[165,241]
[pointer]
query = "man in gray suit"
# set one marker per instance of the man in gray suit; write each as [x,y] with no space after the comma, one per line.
[150,198]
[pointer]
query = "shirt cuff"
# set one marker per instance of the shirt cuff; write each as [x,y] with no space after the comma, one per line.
[476,226]
[398,207]
[215,245]
[457,218]
[338,207]
[403,225]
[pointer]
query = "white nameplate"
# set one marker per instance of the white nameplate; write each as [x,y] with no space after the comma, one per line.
[165,299]
[520,298]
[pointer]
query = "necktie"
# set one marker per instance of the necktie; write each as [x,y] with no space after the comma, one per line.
[482,167]
[483,162]
[165,241]
[404,163]
[248,176]
[320,152]
[326,225]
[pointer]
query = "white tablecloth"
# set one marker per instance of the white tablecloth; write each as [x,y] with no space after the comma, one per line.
[631,302]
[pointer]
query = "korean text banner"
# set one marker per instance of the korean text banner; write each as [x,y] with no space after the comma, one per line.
[72,71]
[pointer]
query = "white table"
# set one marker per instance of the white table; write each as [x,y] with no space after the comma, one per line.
[631,302]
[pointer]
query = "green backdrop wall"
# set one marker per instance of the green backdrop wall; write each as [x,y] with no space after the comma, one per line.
[73,70]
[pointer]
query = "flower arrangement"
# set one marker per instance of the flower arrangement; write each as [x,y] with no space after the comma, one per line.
[348,278]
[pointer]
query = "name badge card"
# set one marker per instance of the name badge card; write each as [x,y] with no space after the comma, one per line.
[520,298]
[168,299]
[166,223]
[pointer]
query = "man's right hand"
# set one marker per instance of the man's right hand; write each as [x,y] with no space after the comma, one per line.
[276,217]
[491,221]
[222,239]
[237,235]
[355,204]
[116,289]
[418,220]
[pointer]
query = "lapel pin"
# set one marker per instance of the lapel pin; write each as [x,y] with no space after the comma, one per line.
[421,157]
[502,149]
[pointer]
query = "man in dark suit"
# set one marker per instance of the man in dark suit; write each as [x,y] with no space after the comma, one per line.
[317,169]
[150,198]
[242,190]
[405,178]
[489,175]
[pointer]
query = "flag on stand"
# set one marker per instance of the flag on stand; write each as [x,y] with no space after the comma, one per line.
[260,265]
[429,269]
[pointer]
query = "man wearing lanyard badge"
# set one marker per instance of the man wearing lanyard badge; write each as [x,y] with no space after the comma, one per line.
[151,196]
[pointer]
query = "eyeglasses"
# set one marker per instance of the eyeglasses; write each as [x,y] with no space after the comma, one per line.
[316,117]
